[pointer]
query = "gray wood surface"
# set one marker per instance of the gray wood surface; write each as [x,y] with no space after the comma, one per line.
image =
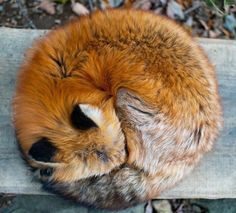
[215,177]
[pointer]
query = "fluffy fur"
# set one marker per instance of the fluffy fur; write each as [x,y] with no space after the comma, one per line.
[145,93]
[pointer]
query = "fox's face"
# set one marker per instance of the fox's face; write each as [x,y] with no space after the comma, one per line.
[68,136]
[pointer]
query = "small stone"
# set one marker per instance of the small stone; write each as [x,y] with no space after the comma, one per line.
[18,17]
[13,22]
[57,21]
[162,206]
[212,34]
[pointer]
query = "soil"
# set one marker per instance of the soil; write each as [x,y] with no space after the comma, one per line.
[198,17]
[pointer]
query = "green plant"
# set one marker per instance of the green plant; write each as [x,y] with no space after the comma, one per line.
[220,5]
[62,1]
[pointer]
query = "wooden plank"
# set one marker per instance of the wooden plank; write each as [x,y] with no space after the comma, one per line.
[215,177]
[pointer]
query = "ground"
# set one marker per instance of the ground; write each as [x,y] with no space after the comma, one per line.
[208,18]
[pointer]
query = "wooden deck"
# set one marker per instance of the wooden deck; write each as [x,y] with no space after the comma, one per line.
[215,177]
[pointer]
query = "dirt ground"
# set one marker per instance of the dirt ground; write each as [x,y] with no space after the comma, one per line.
[201,18]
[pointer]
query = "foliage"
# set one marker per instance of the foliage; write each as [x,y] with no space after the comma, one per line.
[62,1]
[218,3]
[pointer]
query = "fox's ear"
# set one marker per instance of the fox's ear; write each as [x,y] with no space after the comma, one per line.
[85,117]
[133,109]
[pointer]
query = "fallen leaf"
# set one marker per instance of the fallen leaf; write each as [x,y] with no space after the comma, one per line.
[79,9]
[48,6]
[226,32]
[115,3]
[174,10]
[148,207]
[230,24]
[161,206]
[212,34]
[159,10]
[203,23]
[189,21]
[185,3]
[196,5]
[233,9]
[142,4]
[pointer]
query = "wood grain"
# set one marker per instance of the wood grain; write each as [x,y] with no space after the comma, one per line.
[215,177]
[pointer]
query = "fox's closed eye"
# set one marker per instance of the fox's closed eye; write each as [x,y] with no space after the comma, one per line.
[80,120]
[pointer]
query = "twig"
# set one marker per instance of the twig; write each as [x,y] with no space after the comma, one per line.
[24,13]
[217,9]
[191,9]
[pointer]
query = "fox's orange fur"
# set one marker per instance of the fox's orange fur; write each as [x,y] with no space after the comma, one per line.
[143,81]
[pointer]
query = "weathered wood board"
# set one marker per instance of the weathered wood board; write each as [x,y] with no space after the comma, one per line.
[215,177]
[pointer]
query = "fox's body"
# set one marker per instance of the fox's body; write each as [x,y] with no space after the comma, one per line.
[138,81]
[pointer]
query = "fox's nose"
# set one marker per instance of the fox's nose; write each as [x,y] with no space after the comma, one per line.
[42,150]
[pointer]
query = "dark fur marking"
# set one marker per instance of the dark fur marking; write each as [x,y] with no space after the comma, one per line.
[201,109]
[61,65]
[102,156]
[198,134]
[143,112]
[46,172]
[80,120]
[42,150]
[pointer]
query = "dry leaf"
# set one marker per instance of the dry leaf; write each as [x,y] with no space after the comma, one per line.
[159,10]
[114,3]
[189,21]
[212,34]
[230,24]
[162,206]
[174,10]
[226,32]
[128,4]
[142,4]
[48,6]
[148,207]
[185,3]
[163,2]
[79,9]
[203,23]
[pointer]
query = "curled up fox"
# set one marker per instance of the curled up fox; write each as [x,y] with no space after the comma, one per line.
[114,108]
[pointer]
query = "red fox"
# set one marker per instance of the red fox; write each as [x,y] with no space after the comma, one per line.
[116,107]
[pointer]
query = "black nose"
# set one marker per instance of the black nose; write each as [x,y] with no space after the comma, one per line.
[42,150]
